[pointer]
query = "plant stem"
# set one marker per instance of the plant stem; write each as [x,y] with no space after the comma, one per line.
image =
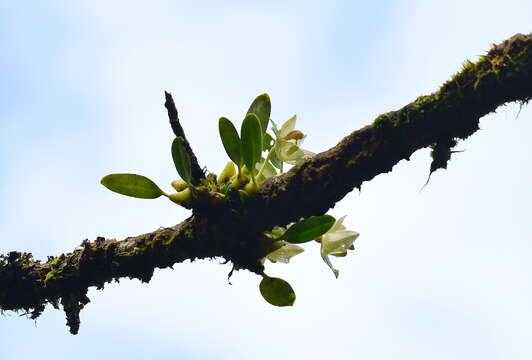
[266,160]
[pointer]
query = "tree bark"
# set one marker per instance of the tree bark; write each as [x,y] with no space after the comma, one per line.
[229,228]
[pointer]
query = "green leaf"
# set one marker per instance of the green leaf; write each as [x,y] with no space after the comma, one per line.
[132,185]
[230,140]
[267,142]
[251,141]
[181,159]
[277,291]
[308,229]
[261,107]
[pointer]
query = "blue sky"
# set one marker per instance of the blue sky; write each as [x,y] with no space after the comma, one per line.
[440,274]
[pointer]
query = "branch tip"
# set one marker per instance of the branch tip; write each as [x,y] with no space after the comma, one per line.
[169,104]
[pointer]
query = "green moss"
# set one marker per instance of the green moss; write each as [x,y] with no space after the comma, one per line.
[468,66]
[143,240]
[50,275]
[422,104]
[171,239]
[56,269]
[384,122]
[486,74]
[54,264]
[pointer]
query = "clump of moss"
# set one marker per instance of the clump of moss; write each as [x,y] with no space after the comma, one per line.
[441,154]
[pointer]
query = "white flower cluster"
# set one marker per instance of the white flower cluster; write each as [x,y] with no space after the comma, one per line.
[335,242]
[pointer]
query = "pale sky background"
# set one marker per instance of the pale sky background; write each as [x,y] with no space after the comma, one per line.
[441,274]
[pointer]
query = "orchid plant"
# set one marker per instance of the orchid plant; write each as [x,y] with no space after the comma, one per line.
[256,155]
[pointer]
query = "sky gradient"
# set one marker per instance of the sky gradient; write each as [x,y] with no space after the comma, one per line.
[442,274]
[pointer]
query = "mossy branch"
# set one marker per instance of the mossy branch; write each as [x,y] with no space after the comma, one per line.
[501,76]
[228,229]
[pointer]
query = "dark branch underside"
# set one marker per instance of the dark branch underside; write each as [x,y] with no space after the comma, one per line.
[227,230]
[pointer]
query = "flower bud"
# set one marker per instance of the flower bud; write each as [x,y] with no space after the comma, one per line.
[238,182]
[227,173]
[251,188]
[179,185]
[183,198]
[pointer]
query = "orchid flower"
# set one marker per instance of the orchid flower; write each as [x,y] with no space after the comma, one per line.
[284,253]
[336,242]
[288,141]
[265,170]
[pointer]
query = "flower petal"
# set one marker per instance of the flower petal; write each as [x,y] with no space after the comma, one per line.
[302,156]
[338,241]
[292,154]
[285,253]
[339,253]
[275,129]
[338,226]
[325,258]
[288,126]
[276,232]
[268,171]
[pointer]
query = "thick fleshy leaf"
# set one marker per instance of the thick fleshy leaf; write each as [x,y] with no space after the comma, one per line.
[261,107]
[230,140]
[277,291]
[133,185]
[181,159]
[251,134]
[308,229]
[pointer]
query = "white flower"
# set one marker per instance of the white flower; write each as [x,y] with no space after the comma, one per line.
[286,128]
[288,141]
[336,242]
[265,170]
[276,232]
[291,153]
[284,253]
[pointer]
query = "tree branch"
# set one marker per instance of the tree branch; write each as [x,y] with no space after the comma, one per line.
[197,172]
[229,228]
[503,75]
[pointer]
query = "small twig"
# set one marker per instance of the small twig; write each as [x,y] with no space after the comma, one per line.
[197,172]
